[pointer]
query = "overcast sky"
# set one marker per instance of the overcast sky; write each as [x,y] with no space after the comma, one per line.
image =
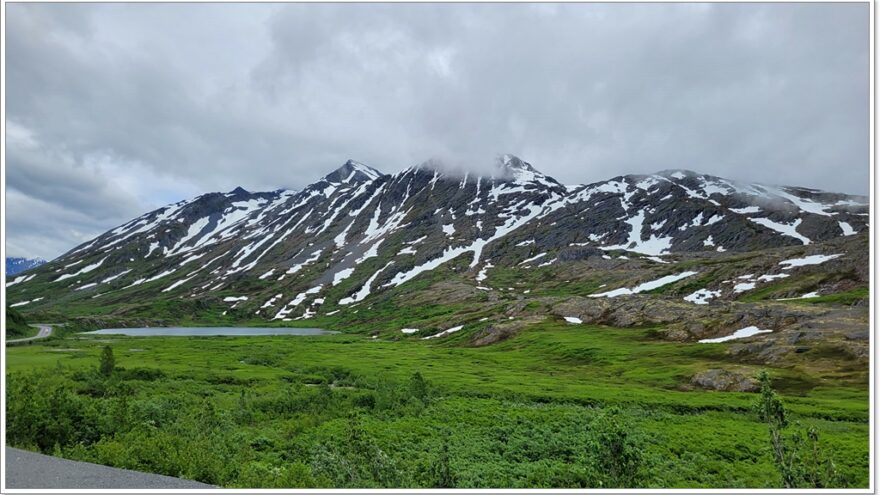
[114,110]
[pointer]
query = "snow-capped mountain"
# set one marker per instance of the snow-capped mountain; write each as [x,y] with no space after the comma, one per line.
[356,232]
[18,265]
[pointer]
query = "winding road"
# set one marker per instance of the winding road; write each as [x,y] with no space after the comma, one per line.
[31,470]
[45,331]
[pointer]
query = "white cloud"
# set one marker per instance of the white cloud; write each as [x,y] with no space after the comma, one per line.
[135,105]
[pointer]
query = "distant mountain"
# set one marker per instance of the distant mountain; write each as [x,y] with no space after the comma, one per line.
[286,255]
[18,265]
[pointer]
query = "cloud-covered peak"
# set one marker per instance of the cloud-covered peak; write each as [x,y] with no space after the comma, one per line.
[677,173]
[512,166]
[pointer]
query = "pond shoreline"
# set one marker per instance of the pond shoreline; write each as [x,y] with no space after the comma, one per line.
[212,332]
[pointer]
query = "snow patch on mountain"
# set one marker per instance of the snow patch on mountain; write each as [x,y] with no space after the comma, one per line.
[787,229]
[747,210]
[18,280]
[654,245]
[816,259]
[82,271]
[846,228]
[533,258]
[739,334]
[341,275]
[702,296]
[653,284]
[444,333]
[364,291]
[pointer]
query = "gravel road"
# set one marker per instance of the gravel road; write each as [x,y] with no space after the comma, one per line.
[30,470]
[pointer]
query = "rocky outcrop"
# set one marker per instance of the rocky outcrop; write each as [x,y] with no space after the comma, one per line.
[683,321]
[724,381]
[502,331]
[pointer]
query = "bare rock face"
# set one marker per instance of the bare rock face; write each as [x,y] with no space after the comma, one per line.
[450,291]
[579,253]
[724,380]
[794,329]
[623,312]
[503,331]
[684,321]
[767,351]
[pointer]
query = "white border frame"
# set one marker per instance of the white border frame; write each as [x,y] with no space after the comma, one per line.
[872,294]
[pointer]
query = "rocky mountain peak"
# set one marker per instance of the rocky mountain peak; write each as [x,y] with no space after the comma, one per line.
[513,162]
[352,172]
[513,168]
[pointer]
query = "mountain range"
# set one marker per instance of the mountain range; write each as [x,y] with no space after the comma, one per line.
[335,245]
[18,265]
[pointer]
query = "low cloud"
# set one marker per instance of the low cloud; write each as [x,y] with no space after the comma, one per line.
[119,108]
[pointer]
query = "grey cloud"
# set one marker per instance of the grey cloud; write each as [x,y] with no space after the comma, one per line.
[186,98]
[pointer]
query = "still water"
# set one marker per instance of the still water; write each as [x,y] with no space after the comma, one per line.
[209,331]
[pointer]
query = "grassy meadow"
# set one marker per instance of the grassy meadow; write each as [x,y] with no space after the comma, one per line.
[541,409]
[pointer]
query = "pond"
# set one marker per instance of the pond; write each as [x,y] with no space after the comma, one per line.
[209,331]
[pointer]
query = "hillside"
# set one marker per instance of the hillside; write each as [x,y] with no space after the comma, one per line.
[288,255]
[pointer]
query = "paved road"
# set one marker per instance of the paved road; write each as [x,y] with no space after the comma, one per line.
[45,331]
[30,470]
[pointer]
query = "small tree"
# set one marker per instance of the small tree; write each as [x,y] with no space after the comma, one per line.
[798,459]
[108,362]
[770,410]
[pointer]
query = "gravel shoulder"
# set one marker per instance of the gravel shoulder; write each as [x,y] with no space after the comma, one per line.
[37,471]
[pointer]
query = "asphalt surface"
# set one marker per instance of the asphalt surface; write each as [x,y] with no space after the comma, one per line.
[45,331]
[31,470]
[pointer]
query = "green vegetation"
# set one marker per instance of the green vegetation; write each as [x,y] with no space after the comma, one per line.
[16,325]
[800,465]
[554,406]
[808,283]
[846,298]
[107,361]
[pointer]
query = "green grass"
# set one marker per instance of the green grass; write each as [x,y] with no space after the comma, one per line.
[511,414]
[846,298]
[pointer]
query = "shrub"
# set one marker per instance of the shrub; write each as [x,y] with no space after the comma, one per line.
[108,362]
[418,387]
[441,471]
[615,451]
[355,460]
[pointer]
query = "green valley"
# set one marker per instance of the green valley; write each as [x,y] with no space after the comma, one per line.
[350,410]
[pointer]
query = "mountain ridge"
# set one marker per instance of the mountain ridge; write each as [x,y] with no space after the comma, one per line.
[16,265]
[357,231]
